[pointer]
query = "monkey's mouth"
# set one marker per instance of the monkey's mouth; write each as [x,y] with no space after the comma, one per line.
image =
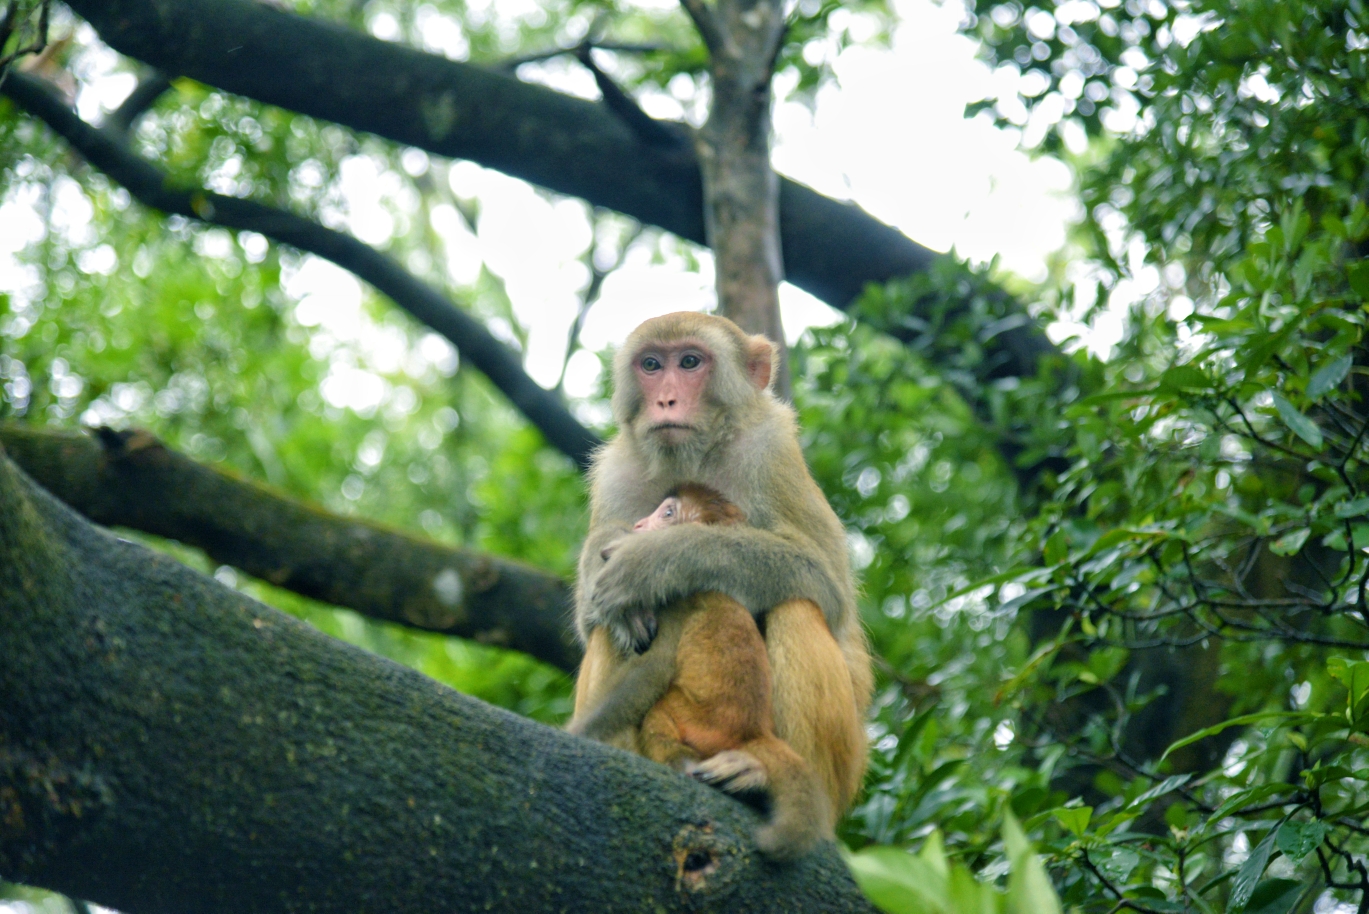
[671,426]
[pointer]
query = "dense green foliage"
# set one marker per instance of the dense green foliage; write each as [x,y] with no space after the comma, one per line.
[1194,570]
[1144,633]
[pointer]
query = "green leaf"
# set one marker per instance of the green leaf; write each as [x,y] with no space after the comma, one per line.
[1356,508]
[1298,839]
[1329,376]
[1057,548]
[1241,721]
[1117,863]
[1029,889]
[1354,674]
[1250,796]
[898,882]
[1184,377]
[1243,886]
[1302,426]
[1290,543]
[1074,818]
[1359,278]
[1173,782]
[1275,896]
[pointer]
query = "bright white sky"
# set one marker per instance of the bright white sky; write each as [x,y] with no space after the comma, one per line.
[889,134]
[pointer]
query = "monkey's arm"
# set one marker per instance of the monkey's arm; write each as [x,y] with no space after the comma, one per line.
[755,567]
[634,688]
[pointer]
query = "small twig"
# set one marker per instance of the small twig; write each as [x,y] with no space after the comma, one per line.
[647,129]
[591,295]
[510,64]
[1123,902]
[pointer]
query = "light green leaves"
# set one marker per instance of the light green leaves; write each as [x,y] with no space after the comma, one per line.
[928,883]
[1290,543]
[1074,818]
[1029,889]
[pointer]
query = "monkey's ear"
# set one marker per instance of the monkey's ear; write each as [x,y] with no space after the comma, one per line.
[761,358]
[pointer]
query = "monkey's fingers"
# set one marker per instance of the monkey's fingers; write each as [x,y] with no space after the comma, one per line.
[732,771]
[643,627]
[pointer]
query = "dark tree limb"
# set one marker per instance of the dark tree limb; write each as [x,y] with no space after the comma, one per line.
[107,152]
[123,479]
[144,95]
[169,745]
[568,145]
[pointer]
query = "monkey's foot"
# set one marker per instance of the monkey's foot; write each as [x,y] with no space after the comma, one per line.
[732,771]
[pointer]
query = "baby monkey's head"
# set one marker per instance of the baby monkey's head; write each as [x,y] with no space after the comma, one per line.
[689,503]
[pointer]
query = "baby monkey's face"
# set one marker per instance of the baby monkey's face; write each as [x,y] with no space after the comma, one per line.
[673,510]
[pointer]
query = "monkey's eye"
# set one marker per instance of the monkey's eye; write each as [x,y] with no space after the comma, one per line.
[651,363]
[690,361]
[670,512]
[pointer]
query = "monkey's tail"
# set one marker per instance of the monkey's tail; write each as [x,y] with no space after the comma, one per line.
[800,812]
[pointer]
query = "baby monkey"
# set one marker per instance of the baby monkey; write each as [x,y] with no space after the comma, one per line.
[702,691]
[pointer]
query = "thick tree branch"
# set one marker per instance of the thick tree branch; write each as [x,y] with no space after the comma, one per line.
[169,745]
[568,145]
[132,480]
[478,346]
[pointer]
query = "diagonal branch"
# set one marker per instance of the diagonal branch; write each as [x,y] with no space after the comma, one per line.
[122,479]
[107,152]
[647,128]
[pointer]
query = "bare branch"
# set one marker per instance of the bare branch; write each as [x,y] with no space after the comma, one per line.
[153,188]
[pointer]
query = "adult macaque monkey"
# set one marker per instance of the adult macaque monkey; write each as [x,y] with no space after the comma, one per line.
[693,404]
[702,691]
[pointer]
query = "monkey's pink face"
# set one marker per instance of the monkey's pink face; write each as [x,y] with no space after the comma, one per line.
[673,378]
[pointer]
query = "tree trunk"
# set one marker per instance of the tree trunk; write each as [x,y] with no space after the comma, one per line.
[169,745]
[741,189]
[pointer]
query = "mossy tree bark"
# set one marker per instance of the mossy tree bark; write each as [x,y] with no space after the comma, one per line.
[167,744]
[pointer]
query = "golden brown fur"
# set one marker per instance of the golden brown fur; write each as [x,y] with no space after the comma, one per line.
[744,443]
[703,691]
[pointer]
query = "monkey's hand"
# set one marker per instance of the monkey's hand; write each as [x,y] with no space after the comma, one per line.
[755,567]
